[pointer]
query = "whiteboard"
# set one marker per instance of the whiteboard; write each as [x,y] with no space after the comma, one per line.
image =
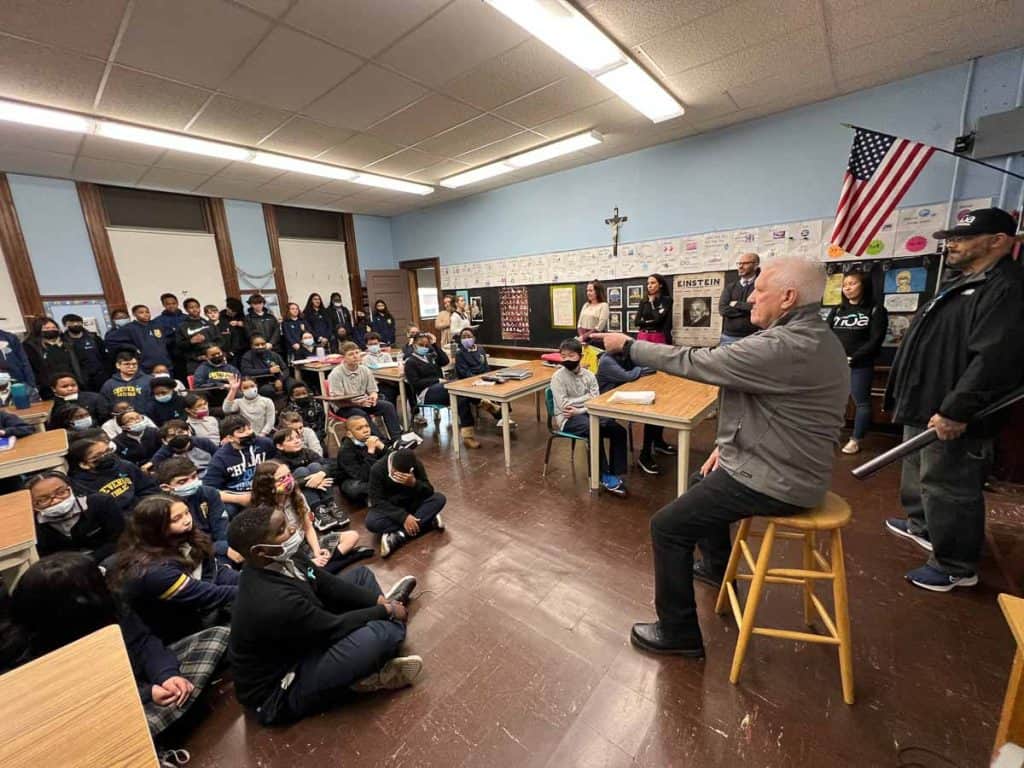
[314,266]
[10,312]
[155,261]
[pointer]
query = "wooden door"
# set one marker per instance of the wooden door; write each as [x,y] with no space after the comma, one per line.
[391,285]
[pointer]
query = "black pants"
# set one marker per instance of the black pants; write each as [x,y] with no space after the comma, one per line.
[618,440]
[384,409]
[653,435]
[701,516]
[438,395]
[941,492]
[355,491]
[425,513]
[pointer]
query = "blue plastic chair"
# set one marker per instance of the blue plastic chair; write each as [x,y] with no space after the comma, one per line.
[553,434]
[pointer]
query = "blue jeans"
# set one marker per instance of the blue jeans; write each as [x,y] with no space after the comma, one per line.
[314,496]
[860,390]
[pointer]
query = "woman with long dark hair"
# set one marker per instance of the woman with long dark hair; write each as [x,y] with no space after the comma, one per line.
[49,355]
[654,316]
[167,572]
[382,322]
[860,324]
[232,324]
[318,320]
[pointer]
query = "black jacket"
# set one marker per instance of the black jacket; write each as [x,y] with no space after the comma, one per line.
[124,483]
[48,359]
[655,316]
[354,462]
[138,451]
[861,330]
[278,620]
[95,404]
[337,316]
[92,358]
[420,373]
[264,325]
[257,362]
[96,531]
[183,340]
[397,501]
[963,351]
[470,363]
[736,319]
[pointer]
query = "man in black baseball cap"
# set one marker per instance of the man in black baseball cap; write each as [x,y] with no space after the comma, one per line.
[963,351]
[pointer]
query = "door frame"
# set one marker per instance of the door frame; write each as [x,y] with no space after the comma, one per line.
[410,267]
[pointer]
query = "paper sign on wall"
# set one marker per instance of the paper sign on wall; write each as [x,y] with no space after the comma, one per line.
[695,320]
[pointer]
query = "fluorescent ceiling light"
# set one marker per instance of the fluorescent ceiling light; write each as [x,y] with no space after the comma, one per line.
[174,141]
[557,149]
[308,167]
[398,185]
[14,112]
[477,174]
[641,91]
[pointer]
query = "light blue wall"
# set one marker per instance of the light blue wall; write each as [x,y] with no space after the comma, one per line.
[58,244]
[373,241]
[781,168]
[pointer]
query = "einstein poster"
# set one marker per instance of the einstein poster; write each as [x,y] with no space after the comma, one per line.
[695,318]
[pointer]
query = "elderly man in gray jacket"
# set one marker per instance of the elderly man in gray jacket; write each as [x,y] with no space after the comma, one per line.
[784,392]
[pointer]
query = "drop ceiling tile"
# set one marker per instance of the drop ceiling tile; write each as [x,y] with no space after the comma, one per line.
[141,98]
[424,119]
[781,86]
[632,26]
[463,35]
[850,28]
[501,149]
[365,27]
[231,190]
[441,170]
[515,73]
[197,41]
[559,99]
[88,27]
[342,188]
[186,161]
[100,148]
[239,122]
[36,162]
[369,95]
[359,151]
[610,116]
[305,138]
[15,135]
[291,184]
[406,161]
[731,29]
[315,199]
[290,69]
[108,171]
[477,133]
[46,75]
[172,179]
[248,173]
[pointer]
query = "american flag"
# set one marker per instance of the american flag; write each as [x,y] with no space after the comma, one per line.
[880,171]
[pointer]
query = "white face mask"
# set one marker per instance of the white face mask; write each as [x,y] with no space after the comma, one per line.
[188,489]
[59,511]
[5,380]
[250,394]
[288,548]
[71,398]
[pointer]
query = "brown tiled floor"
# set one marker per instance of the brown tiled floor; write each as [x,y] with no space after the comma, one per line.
[523,617]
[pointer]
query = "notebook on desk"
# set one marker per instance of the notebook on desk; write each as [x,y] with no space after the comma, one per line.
[6,443]
[513,374]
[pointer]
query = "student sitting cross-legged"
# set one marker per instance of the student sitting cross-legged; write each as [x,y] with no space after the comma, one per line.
[310,440]
[571,387]
[178,441]
[353,381]
[310,472]
[311,410]
[166,570]
[424,374]
[302,639]
[233,466]
[95,468]
[402,502]
[87,523]
[163,402]
[178,476]
[359,451]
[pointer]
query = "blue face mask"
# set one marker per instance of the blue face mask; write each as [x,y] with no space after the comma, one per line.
[121,322]
[163,398]
[422,351]
[83,423]
[137,428]
[188,489]
[373,349]
[360,443]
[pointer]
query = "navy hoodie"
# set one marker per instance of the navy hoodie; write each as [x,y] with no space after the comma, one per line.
[147,340]
[123,482]
[118,390]
[232,469]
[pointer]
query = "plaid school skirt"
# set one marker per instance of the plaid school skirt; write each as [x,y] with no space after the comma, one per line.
[198,657]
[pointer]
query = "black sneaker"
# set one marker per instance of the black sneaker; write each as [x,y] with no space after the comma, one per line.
[401,590]
[439,522]
[665,448]
[323,520]
[340,515]
[389,542]
[648,465]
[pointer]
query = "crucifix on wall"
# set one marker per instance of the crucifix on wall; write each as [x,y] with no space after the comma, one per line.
[616,222]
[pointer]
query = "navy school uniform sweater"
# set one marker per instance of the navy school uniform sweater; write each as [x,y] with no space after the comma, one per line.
[137,449]
[210,375]
[124,483]
[117,389]
[210,516]
[200,453]
[161,413]
[232,469]
[95,530]
[13,425]
[292,331]
[147,340]
[94,403]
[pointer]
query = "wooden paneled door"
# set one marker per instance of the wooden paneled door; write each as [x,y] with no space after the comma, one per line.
[391,285]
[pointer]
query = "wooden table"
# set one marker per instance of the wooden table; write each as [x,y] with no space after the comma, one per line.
[36,414]
[394,375]
[1011,722]
[320,368]
[77,707]
[502,394]
[17,534]
[679,404]
[42,450]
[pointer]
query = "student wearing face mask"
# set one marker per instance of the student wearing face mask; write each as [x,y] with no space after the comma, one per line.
[338,313]
[66,392]
[233,466]
[424,374]
[382,322]
[263,363]
[48,354]
[75,420]
[215,370]
[66,521]
[176,440]
[179,477]
[309,409]
[261,322]
[234,334]
[14,361]
[163,402]
[311,478]
[339,338]
[360,328]
[471,360]
[95,468]
[307,347]
[167,572]
[137,443]
[302,639]
[293,325]
[402,502]
[257,409]
[359,451]
[89,349]
[110,428]
[12,425]
[198,419]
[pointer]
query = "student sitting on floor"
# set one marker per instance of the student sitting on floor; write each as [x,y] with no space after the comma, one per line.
[67,392]
[612,371]
[200,422]
[426,382]
[128,384]
[275,486]
[359,451]
[63,598]
[215,371]
[95,468]
[163,402]
[259,410]
[302,639]
[167,573]
[12,425]
[402,502]
[178,441]
[471,360]
[234,464]
[571,387]
[180,477]
[293,420]
[110,428]
[76,421]
[90,523]
[137,443]
[311,477]
[353,381]
[301,400]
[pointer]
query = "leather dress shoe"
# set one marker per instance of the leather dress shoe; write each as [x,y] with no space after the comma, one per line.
[649,637]
[701,572]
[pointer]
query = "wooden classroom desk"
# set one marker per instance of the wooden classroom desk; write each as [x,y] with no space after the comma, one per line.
[502,394]
[1011,722]
[43,450]
[394,375]
[36,414]
[321,369]
[77,707]
[17,534]
[679,404]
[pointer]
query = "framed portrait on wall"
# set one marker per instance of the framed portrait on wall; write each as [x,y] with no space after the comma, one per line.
[615,320]
[563,306]
[634,295]
[476,309]
[615,297]
[631,326]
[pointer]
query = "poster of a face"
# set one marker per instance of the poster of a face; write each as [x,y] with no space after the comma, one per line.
[898,325]
[476,309]
[615,297]
[697,312]
[615,321]
[909,280]
[634,295]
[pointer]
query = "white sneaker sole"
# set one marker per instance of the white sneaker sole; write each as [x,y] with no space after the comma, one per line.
[921,542]
[397,587]
[396,673]
[965,581]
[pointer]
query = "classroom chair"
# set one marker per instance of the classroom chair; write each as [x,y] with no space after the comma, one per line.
[554,434]
[334,425]
[832,515]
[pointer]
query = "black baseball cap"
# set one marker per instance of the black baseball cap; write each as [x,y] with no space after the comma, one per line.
[981,221]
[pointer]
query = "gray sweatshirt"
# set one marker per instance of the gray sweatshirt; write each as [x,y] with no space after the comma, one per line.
[259,411]
[570,388]
[784,393]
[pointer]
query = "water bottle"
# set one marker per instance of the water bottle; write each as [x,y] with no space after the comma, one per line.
[19,394]
[320,355]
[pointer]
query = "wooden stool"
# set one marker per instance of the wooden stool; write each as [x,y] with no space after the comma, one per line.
[832,515]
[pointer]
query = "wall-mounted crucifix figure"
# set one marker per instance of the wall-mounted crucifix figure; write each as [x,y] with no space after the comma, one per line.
[616,222]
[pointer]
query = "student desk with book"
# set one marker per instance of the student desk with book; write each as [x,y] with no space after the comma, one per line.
[17,534]
[679,404]
[36,414]
[42,450]
[503,394]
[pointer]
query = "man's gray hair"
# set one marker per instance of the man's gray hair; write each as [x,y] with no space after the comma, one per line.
[806,277]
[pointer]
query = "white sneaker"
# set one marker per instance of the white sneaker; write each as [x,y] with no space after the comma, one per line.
[439,522]
[396,673]
[501,423]
[851,447]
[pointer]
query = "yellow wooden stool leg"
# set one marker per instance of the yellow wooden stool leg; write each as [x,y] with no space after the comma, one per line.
[809,565]
[842,617]
[722,604]
[753,599]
